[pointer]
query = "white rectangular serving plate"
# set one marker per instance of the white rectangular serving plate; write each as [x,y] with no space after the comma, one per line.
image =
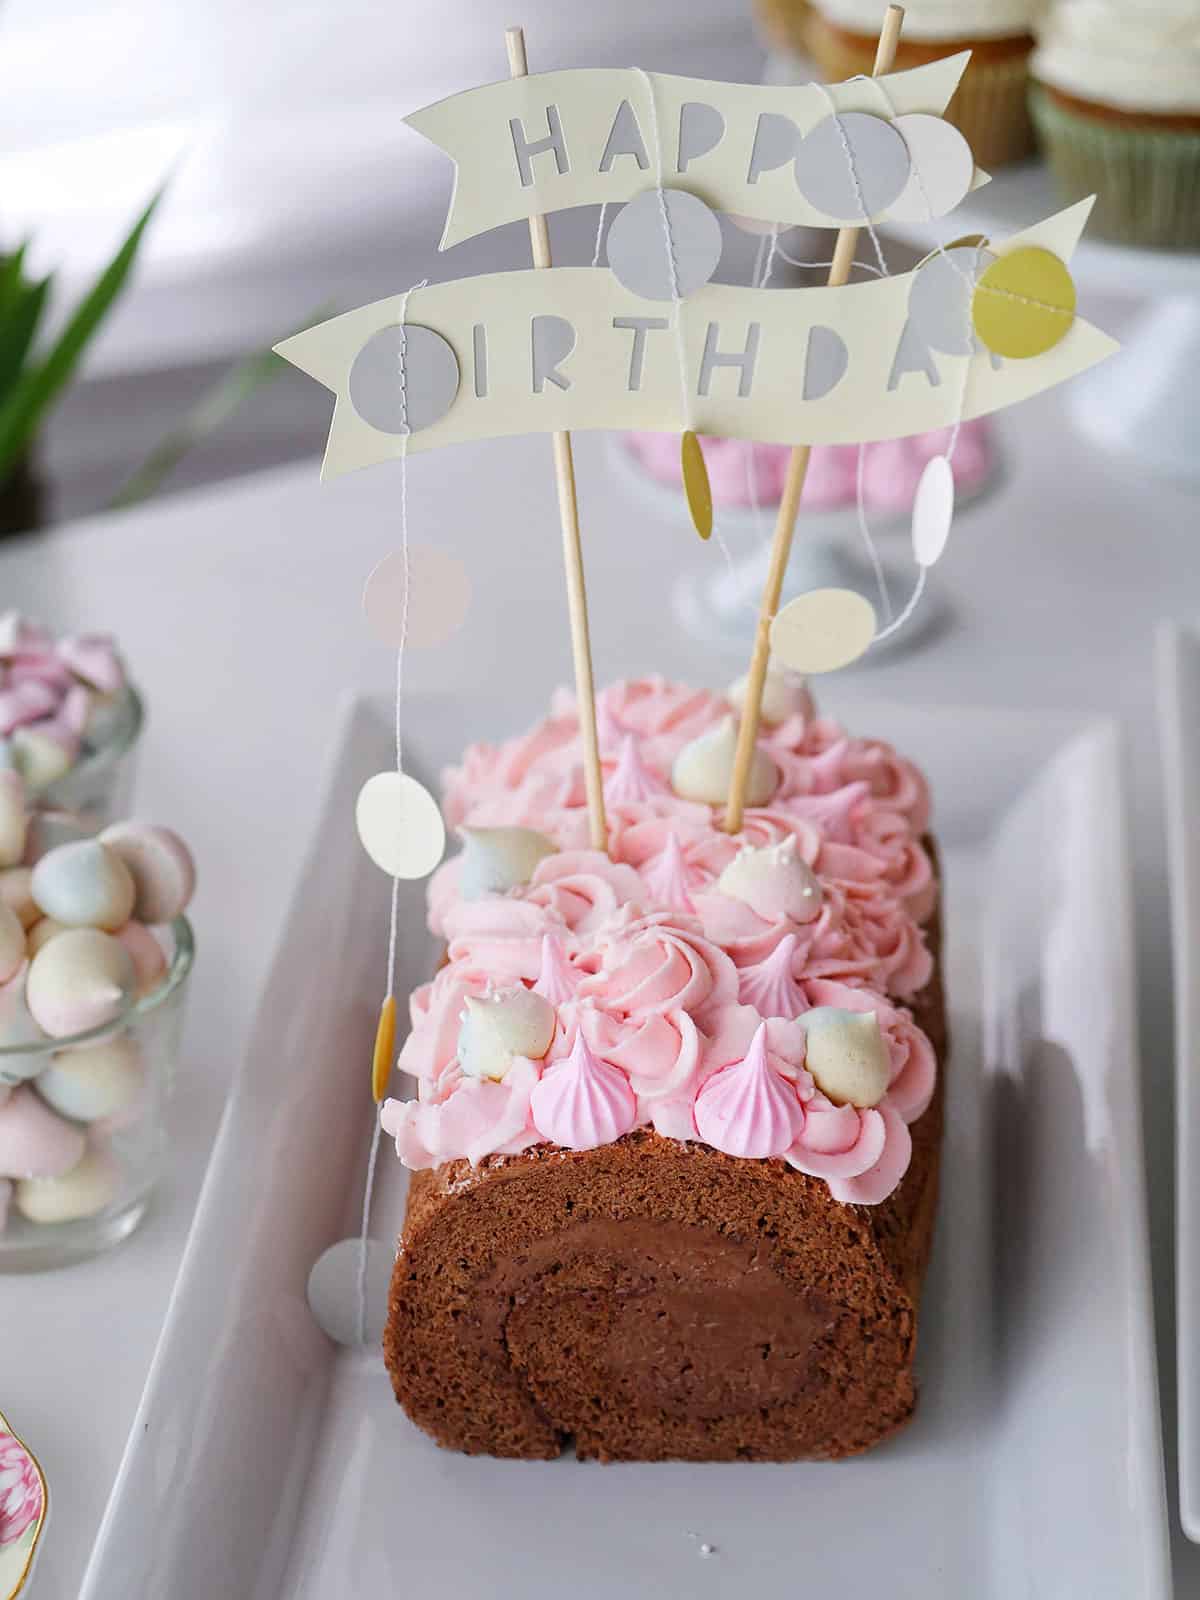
[1179,727]
[264,1463]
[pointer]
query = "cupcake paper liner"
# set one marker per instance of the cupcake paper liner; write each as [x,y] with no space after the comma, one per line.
[1146,180]
[990,106]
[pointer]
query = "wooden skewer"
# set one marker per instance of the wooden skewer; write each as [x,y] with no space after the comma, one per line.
[781,544]
[568,511]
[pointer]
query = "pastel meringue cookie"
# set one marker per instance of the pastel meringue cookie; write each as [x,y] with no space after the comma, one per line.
[85,885]
[160,864]
[13,821]
[774,882]
[43,930]
[497,1028]
[495,860]
[704,767]
[93,658]
[48,829]
[19,636]
[846,1055]
[12,943]
[44,752]
[785,694]
[149,958]
[82,979]
[749,1109]
[90,1082]
[16,892]
[35,1142]
[91,1185]
[22,1055]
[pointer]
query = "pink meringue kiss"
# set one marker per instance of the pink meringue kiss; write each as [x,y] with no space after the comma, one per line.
[92,657]
[557,979]
[26,702]
[665,877]
[36,1142]
[631,782]
[770,985]
[749,1109]
[582,1102]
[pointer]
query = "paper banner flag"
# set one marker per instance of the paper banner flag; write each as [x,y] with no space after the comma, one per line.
[570,349]
[585,136]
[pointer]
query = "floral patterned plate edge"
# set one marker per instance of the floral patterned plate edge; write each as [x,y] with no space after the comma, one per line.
[23,1505]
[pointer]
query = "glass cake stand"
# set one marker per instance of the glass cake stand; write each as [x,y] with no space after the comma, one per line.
[716,597]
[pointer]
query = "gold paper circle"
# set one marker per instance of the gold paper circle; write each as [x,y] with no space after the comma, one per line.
[1024,303]
[695,484]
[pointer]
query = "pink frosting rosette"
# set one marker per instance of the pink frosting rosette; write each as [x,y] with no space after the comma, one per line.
[435,1011]
[500,935]
[660,1053]
[891,779]
[659,963]
[477,1117]
[582,889]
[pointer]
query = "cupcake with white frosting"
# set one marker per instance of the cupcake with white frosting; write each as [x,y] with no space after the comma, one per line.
[990,105]
[1116,98]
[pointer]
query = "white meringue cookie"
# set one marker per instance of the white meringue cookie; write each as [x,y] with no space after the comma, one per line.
[13,822]
[85,885]
[44,753]
[847,1055]
[704,767]
[496,1028]
[43,930]
[82,1192]
[20,1036]
[160,864]
[774,882]
[495,860]
[16,892]
[12,943]
[785,694]
[88,1082]
[81,979]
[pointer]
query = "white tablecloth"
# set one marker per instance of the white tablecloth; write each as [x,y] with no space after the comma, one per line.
[239,610]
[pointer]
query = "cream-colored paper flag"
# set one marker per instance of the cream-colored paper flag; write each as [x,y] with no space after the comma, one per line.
[540,352]
[585,135]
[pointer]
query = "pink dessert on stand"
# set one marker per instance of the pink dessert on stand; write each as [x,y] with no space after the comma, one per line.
[744,474]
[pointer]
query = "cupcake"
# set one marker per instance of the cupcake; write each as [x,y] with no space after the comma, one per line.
[990,106]
[1116,99]
[784,24]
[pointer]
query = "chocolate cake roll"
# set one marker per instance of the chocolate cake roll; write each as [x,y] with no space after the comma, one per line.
[678,1118]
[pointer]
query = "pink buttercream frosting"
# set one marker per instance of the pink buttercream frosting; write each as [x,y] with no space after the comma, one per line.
[680,1006]
[742,473]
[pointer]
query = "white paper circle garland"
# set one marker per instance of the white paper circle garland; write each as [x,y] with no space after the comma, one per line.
[867,182]
[437,604]
[637,252]
[933,510]
[823,630]
[430,385]
[400,825]
[942,168]
[939,301]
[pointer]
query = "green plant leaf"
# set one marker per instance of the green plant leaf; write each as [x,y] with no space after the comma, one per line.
[22,409]
[11,280]
[19,318]
[213,411]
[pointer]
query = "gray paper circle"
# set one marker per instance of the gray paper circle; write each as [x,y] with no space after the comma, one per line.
[333,1290]
[880,163]
[430,379]
[939,302]
[637,244]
